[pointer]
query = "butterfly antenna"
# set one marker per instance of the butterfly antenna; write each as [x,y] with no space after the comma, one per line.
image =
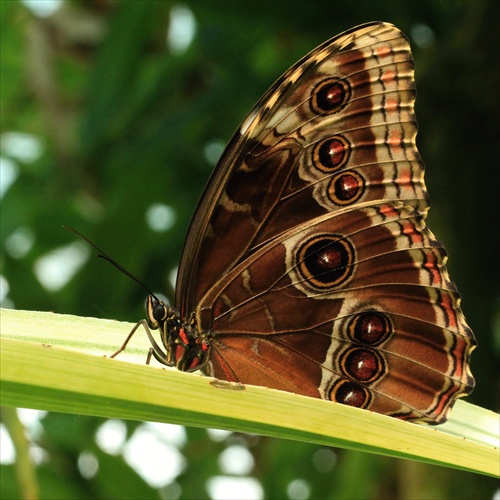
[105,256]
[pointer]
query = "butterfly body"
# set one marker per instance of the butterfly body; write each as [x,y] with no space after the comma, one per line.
[308,266]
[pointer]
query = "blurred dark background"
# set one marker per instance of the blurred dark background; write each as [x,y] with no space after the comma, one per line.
[113,114]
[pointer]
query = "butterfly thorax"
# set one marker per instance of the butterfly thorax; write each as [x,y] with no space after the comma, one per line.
[185,347]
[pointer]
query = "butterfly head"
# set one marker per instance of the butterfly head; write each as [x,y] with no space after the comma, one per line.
[157,312]
[185,348]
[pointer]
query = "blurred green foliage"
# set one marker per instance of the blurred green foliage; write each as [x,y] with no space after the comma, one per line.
[123,123]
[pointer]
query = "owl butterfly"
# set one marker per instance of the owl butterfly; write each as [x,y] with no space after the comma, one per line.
[308,266]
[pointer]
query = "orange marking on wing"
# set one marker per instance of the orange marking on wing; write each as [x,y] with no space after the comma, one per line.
[383,51]
[395,140]
[388,76]
[405,179]
[388,210]
[409,230]
[391,105]
[447,305]
[444,399]
[458,355]
[431,265]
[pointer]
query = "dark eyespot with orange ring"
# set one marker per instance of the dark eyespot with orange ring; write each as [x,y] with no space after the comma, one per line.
[346,187]
[331,154]
[326,261]
[363,365]
[370,328]
[350,393]
[330,96]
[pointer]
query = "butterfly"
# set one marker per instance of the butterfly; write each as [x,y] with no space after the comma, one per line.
[308,266]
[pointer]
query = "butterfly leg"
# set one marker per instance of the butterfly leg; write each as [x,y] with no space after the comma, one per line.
[129,336]
[155,351]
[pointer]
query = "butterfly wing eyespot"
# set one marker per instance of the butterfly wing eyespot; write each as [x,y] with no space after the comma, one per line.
[331,154]
[308,266]
[346,188]
[330,96]
[326,261]
[369,328]
[350,393]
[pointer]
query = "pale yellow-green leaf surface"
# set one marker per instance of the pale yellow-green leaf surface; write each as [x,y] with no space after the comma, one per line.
[57,363]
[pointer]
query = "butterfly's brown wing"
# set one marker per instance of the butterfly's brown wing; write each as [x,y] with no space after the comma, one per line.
[309,259]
